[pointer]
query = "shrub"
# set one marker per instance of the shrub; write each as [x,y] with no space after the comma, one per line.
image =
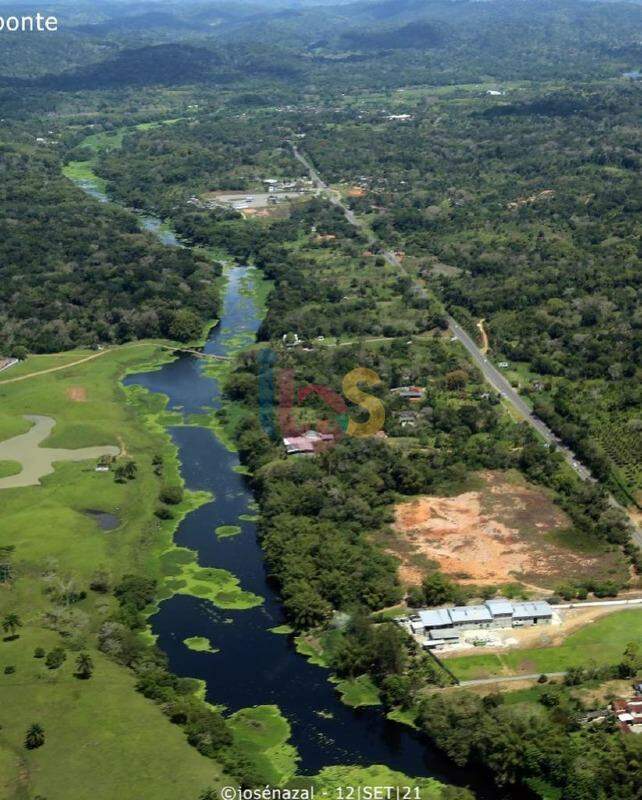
[171,495]
[163,512]
[55,658]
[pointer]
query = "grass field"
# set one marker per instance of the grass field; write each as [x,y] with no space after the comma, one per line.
[97,726]
[8,468]
[600,643]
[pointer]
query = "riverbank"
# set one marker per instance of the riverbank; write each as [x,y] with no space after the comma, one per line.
[236,582]
[56,550]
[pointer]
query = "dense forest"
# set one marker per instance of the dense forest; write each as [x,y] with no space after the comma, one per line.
[74,272]
[395,43]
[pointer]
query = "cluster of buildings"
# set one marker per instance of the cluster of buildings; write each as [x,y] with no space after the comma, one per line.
[287,185]
[442,626]
[629,713]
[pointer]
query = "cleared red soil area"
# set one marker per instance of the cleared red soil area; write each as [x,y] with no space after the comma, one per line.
[505,531]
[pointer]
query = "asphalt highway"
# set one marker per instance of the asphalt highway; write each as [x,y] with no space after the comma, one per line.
[492,375]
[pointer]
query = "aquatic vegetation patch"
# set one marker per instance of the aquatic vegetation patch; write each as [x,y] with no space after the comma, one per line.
[357,692]
[200,644]
[282,630]
[225,531]
[153,409]
[331,780]
[312,650]
[217,585]
[261,733]
[404,716]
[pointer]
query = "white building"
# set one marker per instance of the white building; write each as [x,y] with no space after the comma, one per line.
[442,625]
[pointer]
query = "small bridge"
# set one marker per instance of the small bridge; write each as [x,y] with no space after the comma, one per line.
[197,353]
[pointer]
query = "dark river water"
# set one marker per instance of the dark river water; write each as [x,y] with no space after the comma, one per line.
[254,666]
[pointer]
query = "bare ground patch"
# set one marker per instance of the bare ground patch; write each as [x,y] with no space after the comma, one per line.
[77,393]
[505,531]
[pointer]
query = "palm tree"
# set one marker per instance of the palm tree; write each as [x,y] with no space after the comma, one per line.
[84,666]
[11,623]
[35,736]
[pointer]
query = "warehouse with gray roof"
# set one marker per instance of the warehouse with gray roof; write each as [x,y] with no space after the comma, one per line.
[442,625]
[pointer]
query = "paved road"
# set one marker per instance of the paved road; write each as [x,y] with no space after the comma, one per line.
[509,679]
[492,375]
[501,385]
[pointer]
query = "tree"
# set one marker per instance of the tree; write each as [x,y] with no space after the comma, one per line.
[55,658]
[185,326]
[11,623]
[84,666]
[631,662]
[439,589]
[126,471]
[171,495]
[305,607]
[35,736]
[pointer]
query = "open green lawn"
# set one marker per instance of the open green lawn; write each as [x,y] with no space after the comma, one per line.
[96,728]
[8,468]
[37,363]
[601,643]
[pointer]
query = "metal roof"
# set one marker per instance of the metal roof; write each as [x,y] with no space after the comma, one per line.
[538,608]
[499,606]
[461,614]
[435,617]
[444,633]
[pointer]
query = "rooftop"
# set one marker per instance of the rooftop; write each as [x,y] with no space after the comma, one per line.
[539,608]
[470,614]
[435,617]
[499,606]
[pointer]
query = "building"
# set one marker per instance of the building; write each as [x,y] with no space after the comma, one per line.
[468,617]
[442,625]
[501,611]
[409,392]
[307,444]
[531,613]
[407,419]
[5,363]
[629,714]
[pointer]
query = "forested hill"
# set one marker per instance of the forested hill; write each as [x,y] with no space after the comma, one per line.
[75,272]
[401,43]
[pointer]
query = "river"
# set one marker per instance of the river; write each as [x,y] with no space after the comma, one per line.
[252,665]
